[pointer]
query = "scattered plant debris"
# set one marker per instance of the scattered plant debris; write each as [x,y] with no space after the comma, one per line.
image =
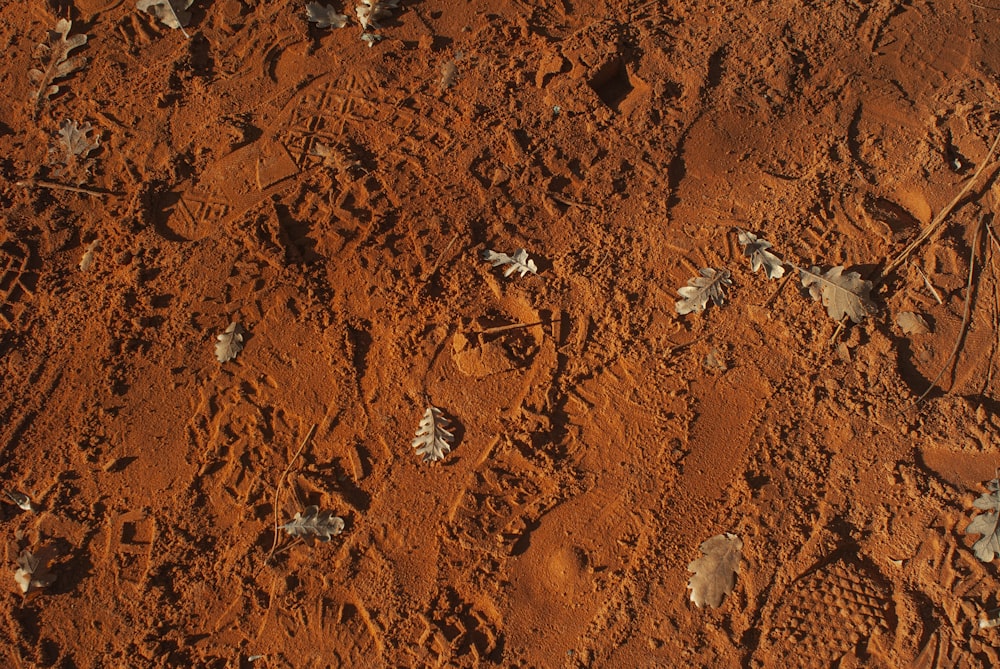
[756,248]
[21,500]
[842,294]
[371,38]
[715,572]
[912,323]
[171,13]
[987,524]
[324,16]
[519,262]
[433,440]
[315,523]
[55,61]
[30,572]
[88,255]
[370,11]
[230,342]
[701,289]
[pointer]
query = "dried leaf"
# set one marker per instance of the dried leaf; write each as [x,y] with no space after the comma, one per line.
[433,441]
[701,289]
[911,323]
[30,574]
[370,11]
[715,572]
[88,255]
[230,342]
[842,294]
[987,524]
[171,13]
[757,249]
[371,38]
[56,63]
[76,143]
[20,499]
[519,262]
[312,522]
[324,16]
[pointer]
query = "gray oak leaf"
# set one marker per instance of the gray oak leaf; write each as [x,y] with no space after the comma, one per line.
[56,62]
[230,342]
[171,13]
[519,262]
[709,285]
[433,440]
[315,523]
[324,16]
[842,294]
[987,524]
[756,248]
[715,572]
[370,11]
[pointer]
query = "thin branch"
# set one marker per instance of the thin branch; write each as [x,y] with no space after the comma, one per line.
[281,480]
[965,318]
[32,183]
[927,282]
[939,219]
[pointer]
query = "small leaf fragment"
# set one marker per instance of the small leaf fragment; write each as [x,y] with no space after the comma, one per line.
[370,11]
[88,255]
[171,13]
[230,342]
[912,323]
[30,572]
[20,499]
[519,262]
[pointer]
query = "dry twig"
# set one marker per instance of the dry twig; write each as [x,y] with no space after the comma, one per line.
[281,480]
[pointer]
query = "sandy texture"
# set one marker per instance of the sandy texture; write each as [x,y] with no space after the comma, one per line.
[334,199]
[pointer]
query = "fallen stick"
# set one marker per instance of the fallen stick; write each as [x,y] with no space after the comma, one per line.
[51,185]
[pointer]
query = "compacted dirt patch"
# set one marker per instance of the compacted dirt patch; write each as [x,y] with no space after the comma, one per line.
[334,196]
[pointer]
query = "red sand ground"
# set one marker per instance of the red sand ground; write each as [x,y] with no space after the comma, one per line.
[622,144]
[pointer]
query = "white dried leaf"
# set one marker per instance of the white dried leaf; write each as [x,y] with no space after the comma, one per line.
[987,524]
[757,249]
[230,342]
[715,572]
[370,11]
[55,62]
[312,522]
[28,574]
[519,262]
[700,289]
[88,255]
[324,16]
[171,13]
[20,499]
[449,73]
[433,440]
[842,294]
[912,323]
[371,38]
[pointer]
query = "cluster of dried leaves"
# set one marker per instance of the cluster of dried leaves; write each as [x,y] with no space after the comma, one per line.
[369,12]
[845,295]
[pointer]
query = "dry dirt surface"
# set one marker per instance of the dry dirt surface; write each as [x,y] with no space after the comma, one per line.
[334,197]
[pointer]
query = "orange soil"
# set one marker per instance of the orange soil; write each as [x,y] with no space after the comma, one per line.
[597,447]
